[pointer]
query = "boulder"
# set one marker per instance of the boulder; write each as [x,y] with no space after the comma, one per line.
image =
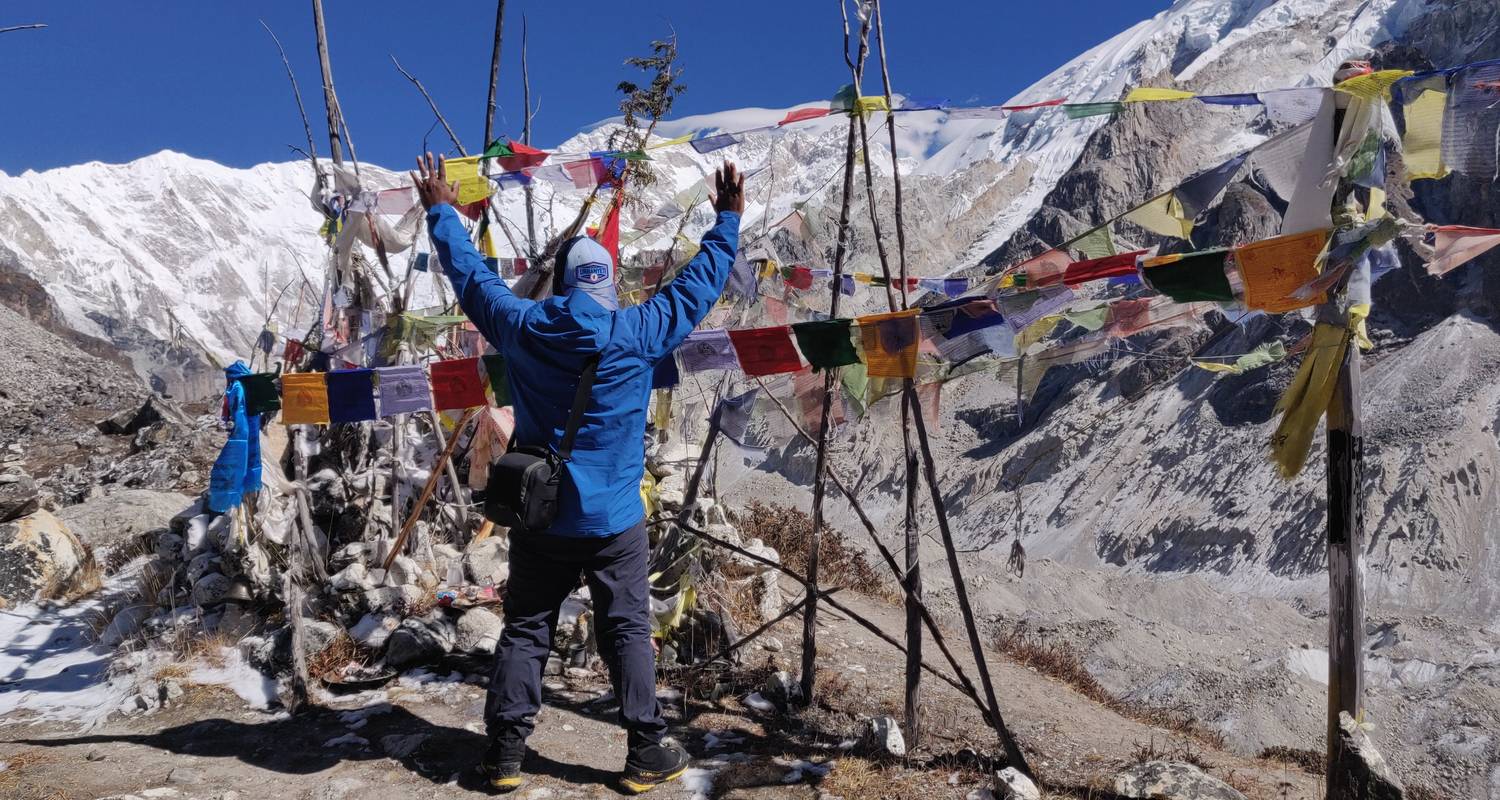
[19,496]
[1011,784]
[420,640]
[488,560]
[123,517]
[211,589]
[373,630]
[38,556]
[782,689]
[479,631]
[882,736]
[353,578]
[403,570]
[1167,780]
[127,422]
[1365,771]
[393,599]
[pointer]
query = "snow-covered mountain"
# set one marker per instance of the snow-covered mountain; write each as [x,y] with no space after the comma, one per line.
[170,255]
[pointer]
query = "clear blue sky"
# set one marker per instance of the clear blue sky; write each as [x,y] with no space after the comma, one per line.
[113,81]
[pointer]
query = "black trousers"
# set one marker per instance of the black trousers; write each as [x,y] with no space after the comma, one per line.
[543,570]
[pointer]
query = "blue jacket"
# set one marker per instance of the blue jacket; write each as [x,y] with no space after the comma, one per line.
[236,471]
[545,344]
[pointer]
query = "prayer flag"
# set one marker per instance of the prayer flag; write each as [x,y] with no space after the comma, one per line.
[1186,277]
[1043,270]
[846,285]
[890,343]
[1311,201]
[978,112]
[1422,145]
[472,187]
[1307,398]
[609,230]
[1094,269]
[420,264]
[1470,120]
[930,395]
[1163,214]
[919,103]
[826,343]
[1036,331]
[1264,355]
[293,352]
[456,384]
[521,156]
[735,414]
[708,144]
[1081,110]
[582,174]
[1144,94]
[1275,268]
[800,114]
[1128,317]
[1097,243]
[304,398]
[351,395]
[1293,106]
[1456,245]
[766,351]
[499,378]
[1020,310]
[260,393]
[706,350]
[807,389]
[1372,85]
[1197,193]
[1044,104]
[1229,99]
[798,277]
[1090,319]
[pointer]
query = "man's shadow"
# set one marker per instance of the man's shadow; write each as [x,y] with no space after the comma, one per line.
[308,743]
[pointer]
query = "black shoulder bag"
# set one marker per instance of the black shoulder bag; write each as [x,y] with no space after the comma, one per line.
[523,484]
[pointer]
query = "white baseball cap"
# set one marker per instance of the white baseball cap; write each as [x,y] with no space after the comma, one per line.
[587,267]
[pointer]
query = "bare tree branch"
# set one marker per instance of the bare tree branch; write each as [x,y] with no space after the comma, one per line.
[433,104]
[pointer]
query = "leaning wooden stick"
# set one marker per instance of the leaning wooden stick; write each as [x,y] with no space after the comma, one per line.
[432,480]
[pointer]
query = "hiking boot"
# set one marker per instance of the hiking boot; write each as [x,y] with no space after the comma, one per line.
[502,763]
[651,764]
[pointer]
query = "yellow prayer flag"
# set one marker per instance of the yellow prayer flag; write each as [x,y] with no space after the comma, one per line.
[1423,143]
[1306,399]
[1374,85]
[1163,215]
[1216,366]
[862,277]
[304,398]
[1275,268]
[1036,331]
[867,105]
[472,187]
[1143,94]
[889,342]
[683,139]
[487,244]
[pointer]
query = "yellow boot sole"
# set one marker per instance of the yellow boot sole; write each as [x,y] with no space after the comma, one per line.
[634,787]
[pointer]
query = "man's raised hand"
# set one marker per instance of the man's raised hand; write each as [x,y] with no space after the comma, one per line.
[431,179]
[729,189]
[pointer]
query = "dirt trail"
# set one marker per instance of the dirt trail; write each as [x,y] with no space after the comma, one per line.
[422,735]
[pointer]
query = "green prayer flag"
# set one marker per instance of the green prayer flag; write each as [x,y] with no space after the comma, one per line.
[856,382]
[1265,355]
[497,149]
[1081,110]
[260,393]
[1091,319]
[1191,277]
[826,343]
[1097,243]
[494,366]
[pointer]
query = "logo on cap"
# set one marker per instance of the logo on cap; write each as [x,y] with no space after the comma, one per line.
[592,273]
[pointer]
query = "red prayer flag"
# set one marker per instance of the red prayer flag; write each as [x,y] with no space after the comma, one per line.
[1059,101]
[1100,268]
[609,231]
[293,352]
[1046,269]
[473,210]
[766,351]
[800,114]
[524,156]
[802,278]
[456,384]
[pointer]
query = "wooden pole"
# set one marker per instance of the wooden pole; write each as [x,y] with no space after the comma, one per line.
[432,479]
[1346,612]
[809,620]
[330,100]
[912,580]
[531,249]
[489,114]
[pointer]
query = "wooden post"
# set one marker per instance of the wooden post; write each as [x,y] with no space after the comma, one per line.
[1346,611]
[489,113]
[531,249]
[809,620]
[330,100]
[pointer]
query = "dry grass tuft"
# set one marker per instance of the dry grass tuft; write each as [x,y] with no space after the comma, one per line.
[1062,662]
[853,777]
[1184,753]
[789,531]
[14,781]
[335,656]
[1309,761]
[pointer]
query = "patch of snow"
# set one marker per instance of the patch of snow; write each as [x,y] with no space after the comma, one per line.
[759,703]
[239,677]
